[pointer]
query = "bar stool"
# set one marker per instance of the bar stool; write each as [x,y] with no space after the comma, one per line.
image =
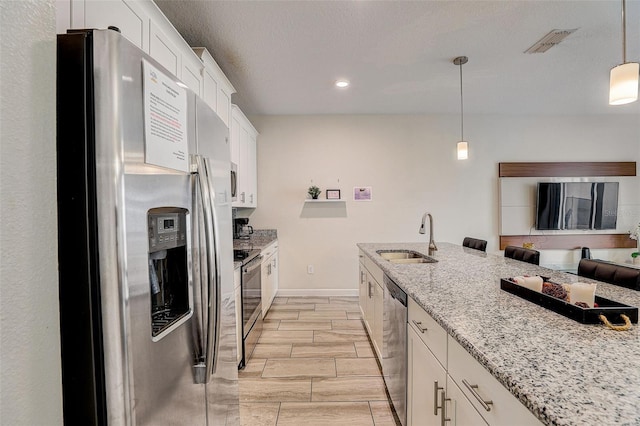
[522,254]
[611,273]
[474,243]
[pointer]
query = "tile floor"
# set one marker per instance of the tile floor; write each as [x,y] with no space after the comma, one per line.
[313,365]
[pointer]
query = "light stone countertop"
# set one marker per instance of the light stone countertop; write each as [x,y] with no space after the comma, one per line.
[260,239]
[565,372]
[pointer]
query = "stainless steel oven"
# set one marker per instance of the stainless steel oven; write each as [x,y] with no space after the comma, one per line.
[251,306]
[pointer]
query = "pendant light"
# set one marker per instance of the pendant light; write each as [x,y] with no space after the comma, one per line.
[463,146]
[623,82]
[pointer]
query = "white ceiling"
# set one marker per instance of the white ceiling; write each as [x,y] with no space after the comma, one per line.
[284,56]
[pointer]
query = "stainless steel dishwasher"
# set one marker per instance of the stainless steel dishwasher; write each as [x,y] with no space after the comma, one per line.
[394,346]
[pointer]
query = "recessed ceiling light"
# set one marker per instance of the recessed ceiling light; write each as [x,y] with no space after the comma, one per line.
[342,83]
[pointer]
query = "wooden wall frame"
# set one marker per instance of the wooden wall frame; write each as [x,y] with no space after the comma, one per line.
[577,169]
[569,241]
[568,169]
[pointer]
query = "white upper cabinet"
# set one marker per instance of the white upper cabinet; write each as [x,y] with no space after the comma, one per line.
[244,153]
[144,24]
[217,89]
[162,49]
[191,75]
[129,16]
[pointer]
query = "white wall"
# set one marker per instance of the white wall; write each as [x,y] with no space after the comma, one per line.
[30,381]
[410,163]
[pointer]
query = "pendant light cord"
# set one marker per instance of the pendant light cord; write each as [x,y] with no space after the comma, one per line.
[624,33]
[461,107]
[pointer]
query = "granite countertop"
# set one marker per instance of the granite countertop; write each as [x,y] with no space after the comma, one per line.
[565,372]
[260,239]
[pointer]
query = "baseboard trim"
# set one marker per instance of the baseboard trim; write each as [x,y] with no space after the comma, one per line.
[300,292]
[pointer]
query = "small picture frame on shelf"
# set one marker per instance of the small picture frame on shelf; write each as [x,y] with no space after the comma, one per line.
[333,194]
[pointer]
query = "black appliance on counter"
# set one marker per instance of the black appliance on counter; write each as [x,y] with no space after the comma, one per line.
[251,289]
[241,229]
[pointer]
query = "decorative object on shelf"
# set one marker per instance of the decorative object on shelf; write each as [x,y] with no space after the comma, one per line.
[623,82]
[463,146]
[333,194]
[634,234]
[314,191]
[362,193]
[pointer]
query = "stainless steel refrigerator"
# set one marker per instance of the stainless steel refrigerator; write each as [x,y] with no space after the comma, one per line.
[147,307]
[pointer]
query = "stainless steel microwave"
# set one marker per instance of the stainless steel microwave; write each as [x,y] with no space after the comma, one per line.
[234,182]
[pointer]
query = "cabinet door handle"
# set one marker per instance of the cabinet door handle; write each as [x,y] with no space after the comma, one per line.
[242,197]
[436,389]
[474,392]
[419,325]
[443,402]
[251,198]
[370,295]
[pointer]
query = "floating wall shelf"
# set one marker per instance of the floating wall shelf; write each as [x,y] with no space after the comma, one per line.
[324,201]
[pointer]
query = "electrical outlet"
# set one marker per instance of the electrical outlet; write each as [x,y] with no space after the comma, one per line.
[309,269]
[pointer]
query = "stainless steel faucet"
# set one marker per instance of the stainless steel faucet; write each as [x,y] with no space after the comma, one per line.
[432,244]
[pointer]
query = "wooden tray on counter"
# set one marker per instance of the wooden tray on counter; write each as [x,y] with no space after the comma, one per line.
[609,308]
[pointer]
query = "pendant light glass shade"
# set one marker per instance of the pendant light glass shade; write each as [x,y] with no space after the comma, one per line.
[623,81]
[463,146]
[463,150]
[623,84]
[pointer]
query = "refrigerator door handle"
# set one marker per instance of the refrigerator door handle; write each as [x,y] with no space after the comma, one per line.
[213,345]
[207,362]
[200,276]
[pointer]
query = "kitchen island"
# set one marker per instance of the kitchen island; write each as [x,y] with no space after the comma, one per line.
[564,372]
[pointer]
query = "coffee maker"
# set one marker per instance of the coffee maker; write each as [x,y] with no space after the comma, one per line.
[241,229]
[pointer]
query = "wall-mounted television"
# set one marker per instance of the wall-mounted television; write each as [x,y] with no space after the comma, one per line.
[576,205]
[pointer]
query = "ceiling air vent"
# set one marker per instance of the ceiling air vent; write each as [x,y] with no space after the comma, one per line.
[547,42]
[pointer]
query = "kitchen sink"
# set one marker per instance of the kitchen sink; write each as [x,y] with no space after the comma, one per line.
[405,256]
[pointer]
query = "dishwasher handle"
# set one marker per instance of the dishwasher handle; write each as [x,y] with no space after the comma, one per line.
[395,291]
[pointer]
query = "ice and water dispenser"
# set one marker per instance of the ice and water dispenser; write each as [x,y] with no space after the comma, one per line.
[168,269]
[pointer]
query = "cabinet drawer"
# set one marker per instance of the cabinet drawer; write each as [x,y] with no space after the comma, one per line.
[268,251]
[459,409]
[479,385]
[431,333]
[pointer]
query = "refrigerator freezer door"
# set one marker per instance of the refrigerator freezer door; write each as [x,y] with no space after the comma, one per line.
[163,383]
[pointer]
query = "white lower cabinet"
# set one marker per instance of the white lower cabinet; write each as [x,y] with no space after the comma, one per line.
[371,298]
[378,316]
[447,386]
[237,279]
[491,399]
[459,409]
[269,276]
[426,378]
[362,286]
[430,389]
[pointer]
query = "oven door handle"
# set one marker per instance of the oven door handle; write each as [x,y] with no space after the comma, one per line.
[254,264]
